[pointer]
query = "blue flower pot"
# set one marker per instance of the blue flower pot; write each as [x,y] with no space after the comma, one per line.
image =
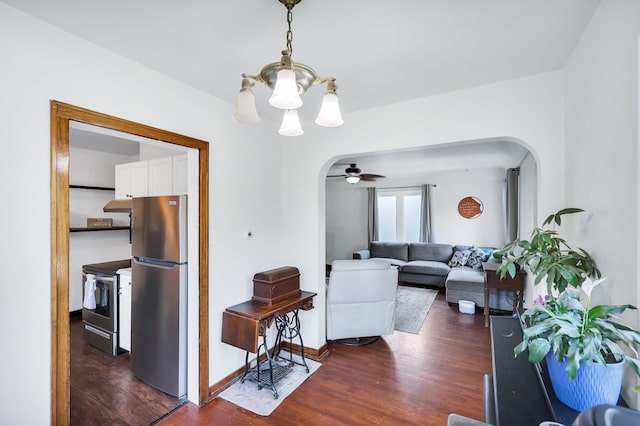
[594,384]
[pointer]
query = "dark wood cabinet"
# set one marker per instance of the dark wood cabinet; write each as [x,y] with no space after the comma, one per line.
[493,280]
[243,324]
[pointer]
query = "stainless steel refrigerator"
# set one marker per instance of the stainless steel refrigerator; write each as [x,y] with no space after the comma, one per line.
[159,292]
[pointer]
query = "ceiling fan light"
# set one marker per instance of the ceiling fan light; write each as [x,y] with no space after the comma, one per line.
[246,112]
[353,179]
[290,124]
[285,93]
[329,115]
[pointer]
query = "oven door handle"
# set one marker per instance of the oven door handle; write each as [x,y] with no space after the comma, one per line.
[104,278]
[96,331]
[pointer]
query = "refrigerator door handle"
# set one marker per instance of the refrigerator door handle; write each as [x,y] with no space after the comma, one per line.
[155,262]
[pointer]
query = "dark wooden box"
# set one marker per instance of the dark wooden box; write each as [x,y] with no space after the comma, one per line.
[277,284]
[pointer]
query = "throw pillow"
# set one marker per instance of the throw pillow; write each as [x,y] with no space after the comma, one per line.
[459,258]
[476,258]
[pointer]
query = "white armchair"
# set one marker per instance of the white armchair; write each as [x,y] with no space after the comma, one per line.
[361,299]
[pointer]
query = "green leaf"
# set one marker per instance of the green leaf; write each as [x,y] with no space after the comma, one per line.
[573,363]
[538,348]
[602,311]
[569,210]
[548,220]
[520,348]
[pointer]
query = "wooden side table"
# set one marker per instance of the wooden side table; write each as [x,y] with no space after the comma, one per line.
[492,280]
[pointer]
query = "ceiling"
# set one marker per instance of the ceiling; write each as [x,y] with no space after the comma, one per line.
[92,140]
[399,165]
[379,52]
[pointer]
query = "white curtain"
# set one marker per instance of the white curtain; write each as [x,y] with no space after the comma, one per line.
[426,233]
[372,213]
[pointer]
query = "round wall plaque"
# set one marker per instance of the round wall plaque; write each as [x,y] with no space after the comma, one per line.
[470,207]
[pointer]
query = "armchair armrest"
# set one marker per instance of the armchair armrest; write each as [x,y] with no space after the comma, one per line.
[361,254]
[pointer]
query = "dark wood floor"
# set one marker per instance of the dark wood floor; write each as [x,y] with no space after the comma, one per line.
[104,390]
[403,379]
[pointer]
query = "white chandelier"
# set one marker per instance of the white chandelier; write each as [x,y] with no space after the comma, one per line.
[289,80]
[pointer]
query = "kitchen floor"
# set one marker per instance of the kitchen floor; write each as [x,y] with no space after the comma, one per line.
[104,390]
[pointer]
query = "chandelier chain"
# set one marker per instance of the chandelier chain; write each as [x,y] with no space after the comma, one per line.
[289,33]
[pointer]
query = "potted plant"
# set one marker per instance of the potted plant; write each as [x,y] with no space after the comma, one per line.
[581,344]
[548,255]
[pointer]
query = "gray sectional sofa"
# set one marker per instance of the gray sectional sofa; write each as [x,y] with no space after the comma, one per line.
[440,265]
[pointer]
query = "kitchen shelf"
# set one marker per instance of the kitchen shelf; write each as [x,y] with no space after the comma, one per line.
[113,228]
[99,188]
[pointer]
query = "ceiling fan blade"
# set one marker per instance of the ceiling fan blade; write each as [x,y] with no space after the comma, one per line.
[335,176]
[367,179]
[366,176]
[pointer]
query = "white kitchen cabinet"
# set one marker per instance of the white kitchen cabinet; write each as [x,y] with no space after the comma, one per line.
[161,176]
[123,181]
[132,180]
[180,183]
[124,318]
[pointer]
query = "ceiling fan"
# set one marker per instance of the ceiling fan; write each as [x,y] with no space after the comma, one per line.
[353,175]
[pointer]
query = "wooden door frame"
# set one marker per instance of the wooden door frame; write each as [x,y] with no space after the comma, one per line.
[61,114]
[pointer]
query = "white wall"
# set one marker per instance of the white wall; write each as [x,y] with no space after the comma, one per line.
[528,210]
[346,213]
[601,79]
[150,152]
[449,227]
[92,168]
[41,63]
[346,210]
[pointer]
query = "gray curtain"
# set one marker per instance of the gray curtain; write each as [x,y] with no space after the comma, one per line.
[372,215]
[426,233]
[511,189]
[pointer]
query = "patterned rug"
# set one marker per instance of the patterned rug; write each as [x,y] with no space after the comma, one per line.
[412,306]
[261,401]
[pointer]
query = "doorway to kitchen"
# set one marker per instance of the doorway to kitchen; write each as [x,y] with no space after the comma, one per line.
[61,116]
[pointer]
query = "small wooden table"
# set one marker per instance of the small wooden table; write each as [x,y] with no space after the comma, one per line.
[493,280]
[243,324]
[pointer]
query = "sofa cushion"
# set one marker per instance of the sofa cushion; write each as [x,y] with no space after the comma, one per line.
[459,258]
[430,251]
[476,258]
[427,267]
[358,265]
[390,261]
[488,250]
[389,249]
[465,278]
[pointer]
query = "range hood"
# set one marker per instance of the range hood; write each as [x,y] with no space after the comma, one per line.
[118,206]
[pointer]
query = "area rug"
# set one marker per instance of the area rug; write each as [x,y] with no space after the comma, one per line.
[412,306]
[262,402]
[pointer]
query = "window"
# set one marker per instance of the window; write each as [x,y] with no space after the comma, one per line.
[399,214]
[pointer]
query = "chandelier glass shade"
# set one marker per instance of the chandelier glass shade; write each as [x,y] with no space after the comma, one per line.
[288,80]
[290,124]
